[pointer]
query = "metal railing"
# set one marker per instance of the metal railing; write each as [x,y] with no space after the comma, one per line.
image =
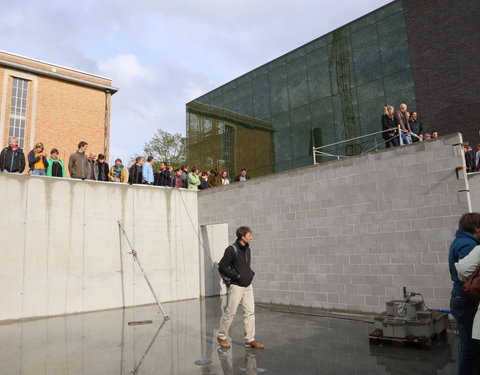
[358,145]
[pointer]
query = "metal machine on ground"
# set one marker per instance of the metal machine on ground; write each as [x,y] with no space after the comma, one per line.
[408,318]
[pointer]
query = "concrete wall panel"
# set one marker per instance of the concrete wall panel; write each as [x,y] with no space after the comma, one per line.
[62,252]
[214,241]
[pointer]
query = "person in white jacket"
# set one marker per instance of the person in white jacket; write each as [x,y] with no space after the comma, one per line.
[465,268]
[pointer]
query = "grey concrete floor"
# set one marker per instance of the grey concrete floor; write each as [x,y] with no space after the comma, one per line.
[103,343]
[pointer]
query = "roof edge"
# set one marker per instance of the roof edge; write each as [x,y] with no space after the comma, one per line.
[55,65]
[59,76]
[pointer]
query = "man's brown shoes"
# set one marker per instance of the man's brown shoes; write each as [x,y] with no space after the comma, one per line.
[254,344]
[223,343]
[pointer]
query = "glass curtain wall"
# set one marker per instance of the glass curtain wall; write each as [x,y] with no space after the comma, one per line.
[332,89]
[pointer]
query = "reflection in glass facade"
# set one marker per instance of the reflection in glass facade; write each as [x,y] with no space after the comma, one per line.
[331,89]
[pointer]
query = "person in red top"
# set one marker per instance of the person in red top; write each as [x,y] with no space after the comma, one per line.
[177,180]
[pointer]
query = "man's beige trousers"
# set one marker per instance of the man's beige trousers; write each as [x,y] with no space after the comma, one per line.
[239,295]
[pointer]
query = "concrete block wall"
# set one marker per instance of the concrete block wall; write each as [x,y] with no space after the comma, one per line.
[62,253]
[350,234]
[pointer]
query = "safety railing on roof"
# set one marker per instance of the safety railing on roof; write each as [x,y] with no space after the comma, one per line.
[361,145]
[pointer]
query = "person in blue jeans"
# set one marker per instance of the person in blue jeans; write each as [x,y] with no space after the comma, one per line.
[462,306]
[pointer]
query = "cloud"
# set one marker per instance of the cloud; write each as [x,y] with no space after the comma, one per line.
[151,96]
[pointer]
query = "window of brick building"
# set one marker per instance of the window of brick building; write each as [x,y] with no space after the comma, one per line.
[18,110]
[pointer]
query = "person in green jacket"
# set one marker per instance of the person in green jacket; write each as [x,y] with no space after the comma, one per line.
[193,179]
[55,167]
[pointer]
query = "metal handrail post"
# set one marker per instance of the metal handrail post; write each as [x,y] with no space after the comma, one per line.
[317,150]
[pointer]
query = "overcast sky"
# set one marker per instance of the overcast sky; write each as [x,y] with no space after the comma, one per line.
[162,54]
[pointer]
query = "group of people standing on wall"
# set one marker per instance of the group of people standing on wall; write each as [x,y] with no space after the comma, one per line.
[142,172]
[12,159]
[472,157]
[91,167]
[412,131]
[411,127]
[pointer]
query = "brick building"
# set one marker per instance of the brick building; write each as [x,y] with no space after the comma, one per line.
[55,105]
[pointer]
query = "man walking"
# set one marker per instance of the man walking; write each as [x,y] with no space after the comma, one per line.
[236,265]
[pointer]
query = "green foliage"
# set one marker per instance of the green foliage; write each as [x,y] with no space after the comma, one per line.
[167,147]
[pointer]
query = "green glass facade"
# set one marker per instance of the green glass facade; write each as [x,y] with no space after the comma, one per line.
[331,89]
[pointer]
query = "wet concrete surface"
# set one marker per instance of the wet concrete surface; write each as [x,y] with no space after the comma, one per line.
[103,343]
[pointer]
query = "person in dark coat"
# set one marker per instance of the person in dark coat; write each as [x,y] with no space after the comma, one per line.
[389,126]
[101,168]
[235,264]
[12,158]
[162,177]
[243,176]
[135,172]
[469,158]
[203,181]
[416,127]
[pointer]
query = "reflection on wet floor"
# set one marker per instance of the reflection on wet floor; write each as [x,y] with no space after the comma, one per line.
[103,343]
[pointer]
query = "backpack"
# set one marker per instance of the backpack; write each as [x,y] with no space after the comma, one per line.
[227,280]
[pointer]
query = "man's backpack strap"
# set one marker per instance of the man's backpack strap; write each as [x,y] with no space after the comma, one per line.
[235,248]
[225,278]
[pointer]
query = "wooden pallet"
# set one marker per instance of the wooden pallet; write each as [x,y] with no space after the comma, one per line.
[376,338]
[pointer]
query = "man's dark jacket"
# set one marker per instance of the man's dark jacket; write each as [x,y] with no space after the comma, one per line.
[101,171]
[12,161]
[135,174]
[240,265]
[470,160]
[416,127]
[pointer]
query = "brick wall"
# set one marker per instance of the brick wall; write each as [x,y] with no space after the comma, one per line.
[350,234]
[59,114]
[67,114]
[444,40]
